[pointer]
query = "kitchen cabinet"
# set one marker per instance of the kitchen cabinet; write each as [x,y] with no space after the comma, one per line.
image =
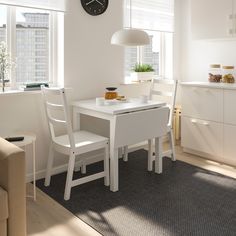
[213,19]
[229,139]
[202,135]
[198,101]
[208,126]
[229,107]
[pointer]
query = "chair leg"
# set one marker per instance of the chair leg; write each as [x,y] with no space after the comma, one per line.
[125,153]
[120,152]
[106,167]
[83,168]
[150,155]
[49,166]
[158,159]
[69,177]
[172,145]
[77,168]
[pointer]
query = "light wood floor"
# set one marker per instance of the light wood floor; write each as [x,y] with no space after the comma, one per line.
[45,217]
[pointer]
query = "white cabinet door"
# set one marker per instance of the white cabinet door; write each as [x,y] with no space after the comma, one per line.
[229,107]
[202,103]
[203,136]
[211,19]
[229,144]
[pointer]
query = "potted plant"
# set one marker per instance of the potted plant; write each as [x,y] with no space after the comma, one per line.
[142,72]
[5,64]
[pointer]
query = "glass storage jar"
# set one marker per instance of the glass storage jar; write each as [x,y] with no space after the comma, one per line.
[111,93]
[215,73]
[228,74]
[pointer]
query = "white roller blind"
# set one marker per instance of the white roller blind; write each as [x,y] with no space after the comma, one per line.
[150,14]
[55,5]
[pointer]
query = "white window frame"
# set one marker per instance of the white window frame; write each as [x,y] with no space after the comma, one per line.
[128,7]
[162,54]
[53,44]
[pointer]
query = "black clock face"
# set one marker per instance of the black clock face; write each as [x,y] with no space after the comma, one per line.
[95,7]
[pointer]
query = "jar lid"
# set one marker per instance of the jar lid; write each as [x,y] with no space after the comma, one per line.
[228,67]
[111,88]
[215,66]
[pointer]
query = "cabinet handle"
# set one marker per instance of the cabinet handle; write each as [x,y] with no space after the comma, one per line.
[200,123]
[205,123]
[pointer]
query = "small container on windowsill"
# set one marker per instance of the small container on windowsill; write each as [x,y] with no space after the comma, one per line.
[215,73]
[142,76]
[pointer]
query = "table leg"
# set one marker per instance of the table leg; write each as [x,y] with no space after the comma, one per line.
[34,170]
[158,152]
[150,160]
[114,163]
[114,168]
[76,126]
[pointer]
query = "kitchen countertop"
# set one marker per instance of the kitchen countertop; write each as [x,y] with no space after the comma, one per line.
[209,85]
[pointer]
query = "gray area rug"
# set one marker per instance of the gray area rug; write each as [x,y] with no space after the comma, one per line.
[184,200]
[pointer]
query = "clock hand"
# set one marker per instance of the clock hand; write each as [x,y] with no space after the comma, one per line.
[99,2]
[90,2]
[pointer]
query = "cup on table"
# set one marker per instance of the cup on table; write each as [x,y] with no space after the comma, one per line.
[144,99]
[100,101]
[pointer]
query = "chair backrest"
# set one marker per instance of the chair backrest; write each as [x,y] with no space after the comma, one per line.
[164,90]
[139,126]
[57,111]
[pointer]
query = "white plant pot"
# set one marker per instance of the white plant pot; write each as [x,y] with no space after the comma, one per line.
[142,76]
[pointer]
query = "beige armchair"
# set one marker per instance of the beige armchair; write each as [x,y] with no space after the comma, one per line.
[12,190]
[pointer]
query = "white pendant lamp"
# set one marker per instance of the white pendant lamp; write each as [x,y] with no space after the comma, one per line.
[130,37]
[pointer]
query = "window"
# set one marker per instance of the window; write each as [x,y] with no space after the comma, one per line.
[156,17]
[149,54]
[3,19]
[32,43]
[31,36]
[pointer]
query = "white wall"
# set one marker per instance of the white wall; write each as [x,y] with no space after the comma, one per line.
[197,55]
[91,62]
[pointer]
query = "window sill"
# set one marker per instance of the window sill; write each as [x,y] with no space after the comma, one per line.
[18,92]
[136,82]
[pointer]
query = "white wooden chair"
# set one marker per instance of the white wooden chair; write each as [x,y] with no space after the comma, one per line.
[162,90]
[140,126]
[72,143]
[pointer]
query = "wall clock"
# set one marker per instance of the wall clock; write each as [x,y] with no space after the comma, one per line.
[95,7]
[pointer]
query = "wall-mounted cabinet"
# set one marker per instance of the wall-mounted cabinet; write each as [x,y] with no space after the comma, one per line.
[213,19]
